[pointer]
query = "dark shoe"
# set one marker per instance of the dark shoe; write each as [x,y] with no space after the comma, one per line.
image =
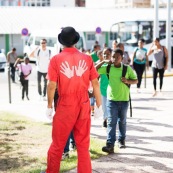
[27,97]
[105,123]
[108,148]
[22,98]
[65,156]
[121,144]
[92,113]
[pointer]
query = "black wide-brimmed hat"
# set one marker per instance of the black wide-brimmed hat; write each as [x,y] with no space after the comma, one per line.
[68,36]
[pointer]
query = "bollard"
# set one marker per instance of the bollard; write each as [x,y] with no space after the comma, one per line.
[9,83]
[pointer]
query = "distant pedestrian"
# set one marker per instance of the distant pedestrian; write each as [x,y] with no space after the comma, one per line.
[94,53]
[95,58]
[158,66]
[139,61]
[126,58]
[71,71]
[43,56]
[11,58]
[114,44]
[117,98]
[26,69]
[104,83]
[105,45]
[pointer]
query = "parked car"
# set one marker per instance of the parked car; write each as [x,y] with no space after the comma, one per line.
[3,59]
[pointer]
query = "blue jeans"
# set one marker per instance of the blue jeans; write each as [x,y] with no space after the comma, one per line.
[117,112]
[104,107]
[92,101]
[70,140]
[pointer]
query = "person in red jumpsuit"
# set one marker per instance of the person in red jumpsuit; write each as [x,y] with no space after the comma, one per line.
[71,71]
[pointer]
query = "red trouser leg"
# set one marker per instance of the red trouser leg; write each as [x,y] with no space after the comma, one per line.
[60,134]
[81,133]
[75,116]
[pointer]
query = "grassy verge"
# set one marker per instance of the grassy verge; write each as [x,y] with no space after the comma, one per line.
[24,145]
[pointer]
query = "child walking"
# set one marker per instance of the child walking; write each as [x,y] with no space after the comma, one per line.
[26,69]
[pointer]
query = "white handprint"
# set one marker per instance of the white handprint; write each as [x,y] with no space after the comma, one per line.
[66,70]
[81,68]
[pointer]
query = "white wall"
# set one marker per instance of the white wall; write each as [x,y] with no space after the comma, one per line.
[62,3]
[2,41]
[17,42]
[100,3]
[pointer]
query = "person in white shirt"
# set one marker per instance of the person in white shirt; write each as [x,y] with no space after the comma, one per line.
[43,56]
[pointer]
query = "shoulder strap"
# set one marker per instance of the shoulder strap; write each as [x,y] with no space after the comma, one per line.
[124,70]
[49,53]
[108,70]
[38,52]
[135,52]
[163,47]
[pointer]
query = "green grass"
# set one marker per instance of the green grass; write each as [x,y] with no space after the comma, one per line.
[24,145]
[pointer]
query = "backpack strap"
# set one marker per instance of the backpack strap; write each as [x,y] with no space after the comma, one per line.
[108,70]
[38,52]
[49,53]
[123,75]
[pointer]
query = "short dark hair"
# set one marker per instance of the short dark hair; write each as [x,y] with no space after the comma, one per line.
[118,51]
[96,46]
[26,57]
[142,40]
[158,39]
[13,49]
[43,39]
[109,49]
[119,45]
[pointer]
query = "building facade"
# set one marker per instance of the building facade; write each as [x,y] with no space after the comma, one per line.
[85,3]
[43,3]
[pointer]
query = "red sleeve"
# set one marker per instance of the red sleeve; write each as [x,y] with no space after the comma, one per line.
[52,74]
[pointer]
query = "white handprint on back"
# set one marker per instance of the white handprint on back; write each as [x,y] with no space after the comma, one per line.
[81,68]
[66,70]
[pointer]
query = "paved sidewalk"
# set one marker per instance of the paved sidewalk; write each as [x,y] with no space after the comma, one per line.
[149,135]
[149,132]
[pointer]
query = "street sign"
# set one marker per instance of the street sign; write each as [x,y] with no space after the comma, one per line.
[24,32]
[98,30]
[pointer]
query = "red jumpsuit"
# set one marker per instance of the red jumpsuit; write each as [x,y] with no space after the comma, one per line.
[72,70]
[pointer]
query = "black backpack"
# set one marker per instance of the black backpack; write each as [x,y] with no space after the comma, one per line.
[123,75]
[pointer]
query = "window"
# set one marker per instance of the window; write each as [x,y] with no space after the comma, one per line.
[90,37]
[79,44]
